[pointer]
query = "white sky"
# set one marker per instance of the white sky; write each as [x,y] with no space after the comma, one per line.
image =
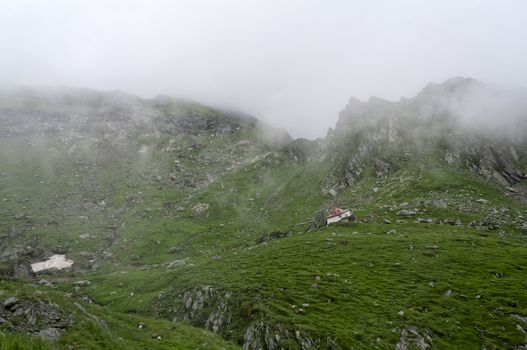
[291,63]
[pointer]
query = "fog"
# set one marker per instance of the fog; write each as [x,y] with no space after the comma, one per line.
[492,110]
[293,64]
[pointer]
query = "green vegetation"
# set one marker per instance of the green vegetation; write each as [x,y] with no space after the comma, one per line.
[96,327]
[191,224]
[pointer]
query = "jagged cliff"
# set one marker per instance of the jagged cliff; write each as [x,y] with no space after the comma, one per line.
[440,122]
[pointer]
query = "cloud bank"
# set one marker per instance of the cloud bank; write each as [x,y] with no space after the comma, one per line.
[293,63]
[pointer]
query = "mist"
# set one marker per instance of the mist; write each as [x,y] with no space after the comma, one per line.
[293,64]
[492,110]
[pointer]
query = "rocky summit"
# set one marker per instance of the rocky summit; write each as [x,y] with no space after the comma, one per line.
[182,226]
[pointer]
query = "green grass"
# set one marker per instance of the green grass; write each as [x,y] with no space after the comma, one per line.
[11,341]
[367,277]
[97,327]
[355,278]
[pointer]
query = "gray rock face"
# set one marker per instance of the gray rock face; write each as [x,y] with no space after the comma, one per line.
[214,310]
[261,335]
[22,271]
[381,135]
[35,316]
[412,337]
[382,167]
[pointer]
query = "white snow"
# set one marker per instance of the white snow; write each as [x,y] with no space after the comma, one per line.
[56,261]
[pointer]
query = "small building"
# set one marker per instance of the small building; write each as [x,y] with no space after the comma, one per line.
[338,214]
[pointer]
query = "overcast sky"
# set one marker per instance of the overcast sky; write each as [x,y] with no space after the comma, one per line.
[293,64]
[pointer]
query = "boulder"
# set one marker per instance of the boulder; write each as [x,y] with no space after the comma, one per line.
[23,271]
[49,334]
[200,209]
[83,283]
[406,213]
[174,250]
[10,302]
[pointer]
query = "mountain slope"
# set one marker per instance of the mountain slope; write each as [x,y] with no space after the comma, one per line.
[177,211]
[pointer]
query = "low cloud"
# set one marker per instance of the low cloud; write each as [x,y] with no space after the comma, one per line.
[294,64]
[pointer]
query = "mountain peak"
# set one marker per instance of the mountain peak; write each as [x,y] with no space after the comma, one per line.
[450,86]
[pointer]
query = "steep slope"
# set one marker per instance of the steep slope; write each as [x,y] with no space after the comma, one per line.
[411,169]
[75,161]
[178,211]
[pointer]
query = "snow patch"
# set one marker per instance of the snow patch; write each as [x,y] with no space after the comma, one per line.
[56,261]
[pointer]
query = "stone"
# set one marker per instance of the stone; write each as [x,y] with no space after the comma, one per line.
[425,221]
[18,311]
[176,263]
[448,293]
[412,338]
[392,232]
[83,283]
[22,271]
[406,213]
[10,302]
[174,250]
[49,334]
[519,318]
[200,209]
[46,283]
[386,221]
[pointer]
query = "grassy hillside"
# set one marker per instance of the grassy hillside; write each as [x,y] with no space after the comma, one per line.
[187,219]
[96,327]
